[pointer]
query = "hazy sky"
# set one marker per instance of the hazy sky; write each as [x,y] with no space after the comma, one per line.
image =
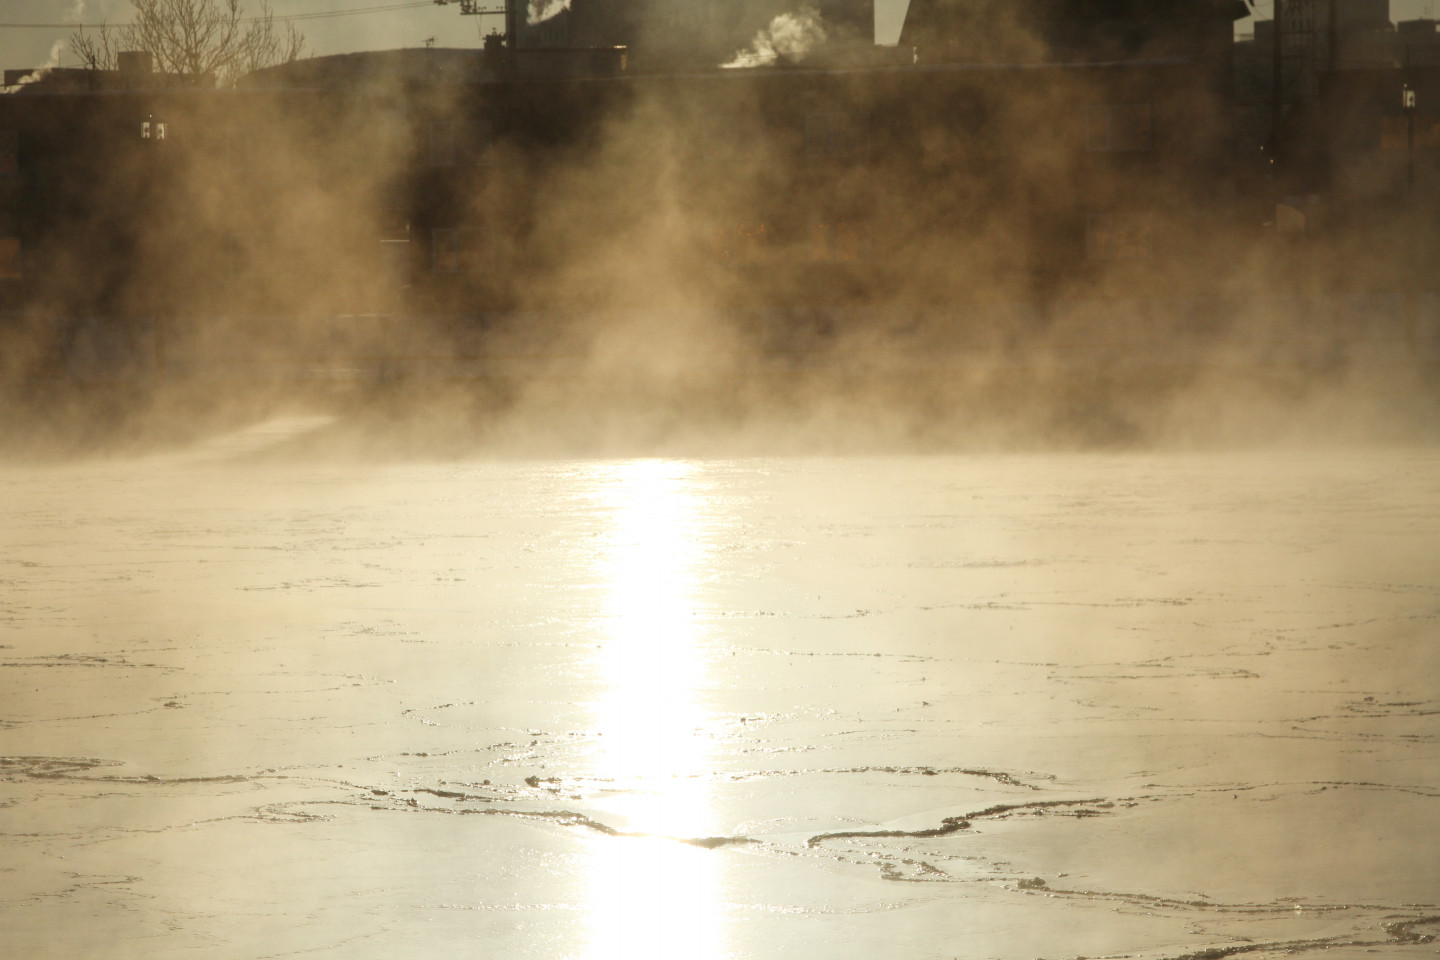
[367,31]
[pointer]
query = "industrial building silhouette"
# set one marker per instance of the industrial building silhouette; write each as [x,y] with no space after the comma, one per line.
[607,163]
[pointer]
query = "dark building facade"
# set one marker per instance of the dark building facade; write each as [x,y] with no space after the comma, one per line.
[471,202]
[694,34]
[771,193]
[1069,30]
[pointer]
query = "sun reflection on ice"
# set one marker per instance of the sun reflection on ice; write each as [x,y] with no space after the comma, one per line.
[652,893]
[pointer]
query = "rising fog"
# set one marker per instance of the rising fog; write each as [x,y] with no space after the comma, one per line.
[828,246]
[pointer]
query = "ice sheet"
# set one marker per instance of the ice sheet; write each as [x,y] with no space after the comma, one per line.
[1141,705]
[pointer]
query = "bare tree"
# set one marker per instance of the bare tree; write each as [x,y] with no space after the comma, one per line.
[211,41]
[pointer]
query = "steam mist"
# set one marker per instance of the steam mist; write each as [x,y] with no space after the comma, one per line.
[790,35]
[1033,251]
[540,10]
[462,503]
[51,62]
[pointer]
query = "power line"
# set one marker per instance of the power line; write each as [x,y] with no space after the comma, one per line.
[319,15]
[327,14]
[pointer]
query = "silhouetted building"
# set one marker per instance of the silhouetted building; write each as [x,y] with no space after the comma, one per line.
[1069,30]
[700,34]
[401,183]
[1317,37]
[371,70]
[133,72]
[1359,30]
[1419,42]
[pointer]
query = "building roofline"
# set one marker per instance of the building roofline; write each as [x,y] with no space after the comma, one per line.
[718,74]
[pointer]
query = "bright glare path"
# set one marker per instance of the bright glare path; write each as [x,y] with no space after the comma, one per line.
[652,896]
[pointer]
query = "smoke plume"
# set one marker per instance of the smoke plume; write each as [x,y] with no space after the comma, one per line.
[38,74]
[790,35]
[541,10]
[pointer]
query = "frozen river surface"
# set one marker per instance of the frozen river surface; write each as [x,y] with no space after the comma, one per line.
[1023,706]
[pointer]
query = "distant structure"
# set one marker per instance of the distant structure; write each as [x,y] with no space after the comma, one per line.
[1321,35]
[382,70]
[134,72]
[947,31]
[693,34]
[1041,149]
[1419,42]
[1318,38]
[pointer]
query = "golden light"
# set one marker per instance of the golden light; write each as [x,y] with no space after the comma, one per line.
[652,895]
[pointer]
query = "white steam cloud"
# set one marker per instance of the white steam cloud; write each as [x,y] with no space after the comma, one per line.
[541,10]
[39,72]
[790,35]
[103,10]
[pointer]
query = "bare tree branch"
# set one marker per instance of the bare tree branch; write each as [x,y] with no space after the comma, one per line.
[206,41]
[95,52]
